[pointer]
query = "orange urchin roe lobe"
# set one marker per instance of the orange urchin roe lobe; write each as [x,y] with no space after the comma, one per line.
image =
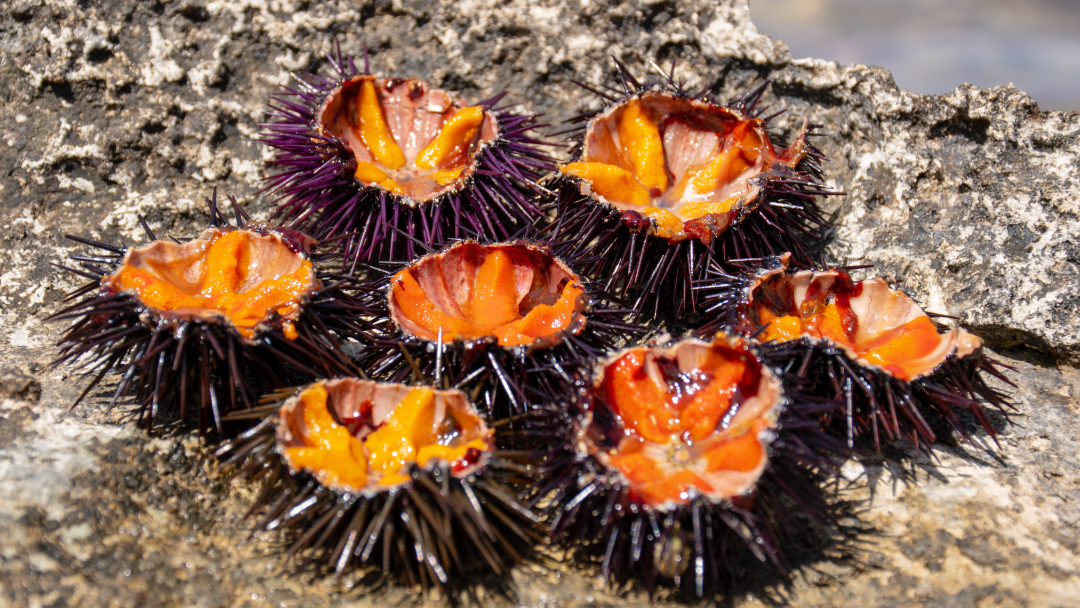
[682,426]
[411,433]
[677,160]
[330,448]
[901,348]
[406,137]
[219,280]
[485,301]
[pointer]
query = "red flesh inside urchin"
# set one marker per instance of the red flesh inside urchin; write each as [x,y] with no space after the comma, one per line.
[357,435]
[516,293]
[407,138]
[679,167]
[693,417]
[243,277]
[872,323]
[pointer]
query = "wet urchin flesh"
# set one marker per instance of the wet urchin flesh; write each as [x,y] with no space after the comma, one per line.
[199,328]
[405,483]
[899,373]
[510,323]
[688,467]
[663,181]
[393,162]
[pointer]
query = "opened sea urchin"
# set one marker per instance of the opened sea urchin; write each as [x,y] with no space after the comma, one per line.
[403,479]
[205,326]
[509,322]
[394,159]
[677,468]
[663,181]
[864,343]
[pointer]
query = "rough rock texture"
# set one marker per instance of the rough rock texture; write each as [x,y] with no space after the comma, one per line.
[119,107]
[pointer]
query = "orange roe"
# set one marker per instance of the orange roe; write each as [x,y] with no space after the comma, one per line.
[491,305]
[682,434]
[411,433]
[216,281]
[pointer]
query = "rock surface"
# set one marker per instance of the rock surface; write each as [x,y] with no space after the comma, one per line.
[119,107]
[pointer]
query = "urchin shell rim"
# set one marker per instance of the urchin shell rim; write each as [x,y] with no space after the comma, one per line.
[746,206]
[463,182]
[270,323]
[579,322]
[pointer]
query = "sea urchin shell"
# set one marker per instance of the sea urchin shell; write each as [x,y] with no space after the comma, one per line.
[378,157]
[219,318]
[508,322]
[665,181]
[677,463]
[403,478]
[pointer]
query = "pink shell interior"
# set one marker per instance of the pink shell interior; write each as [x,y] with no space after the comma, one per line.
[415,113]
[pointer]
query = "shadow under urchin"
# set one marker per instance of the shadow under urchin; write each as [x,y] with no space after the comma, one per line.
[189,368]
[318,189]
[626,252]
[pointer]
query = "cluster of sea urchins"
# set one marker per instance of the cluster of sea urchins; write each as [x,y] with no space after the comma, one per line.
[496,394]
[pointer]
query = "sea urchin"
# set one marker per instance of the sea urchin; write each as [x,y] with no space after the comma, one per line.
[664,181]
[406,479]
[217,319]
[390,160]
[678,464]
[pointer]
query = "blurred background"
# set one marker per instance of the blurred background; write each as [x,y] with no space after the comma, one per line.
[931,46]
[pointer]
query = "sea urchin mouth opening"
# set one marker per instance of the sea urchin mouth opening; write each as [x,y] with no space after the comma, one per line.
[357,435]
[517,293]
[871,323]
[684,165]
[245,278]
[406,137]
[694,417]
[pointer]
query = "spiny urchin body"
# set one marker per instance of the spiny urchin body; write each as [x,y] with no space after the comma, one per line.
[203,327]
[663,182]
[688,466]
[510,323]
[873,348]
[392,162]
[406,480]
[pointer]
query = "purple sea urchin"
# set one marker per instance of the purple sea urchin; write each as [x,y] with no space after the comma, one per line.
[508,322]
[393,160]
[408,479]
[863,343]
[203,327]
[663,181]
[682,464]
